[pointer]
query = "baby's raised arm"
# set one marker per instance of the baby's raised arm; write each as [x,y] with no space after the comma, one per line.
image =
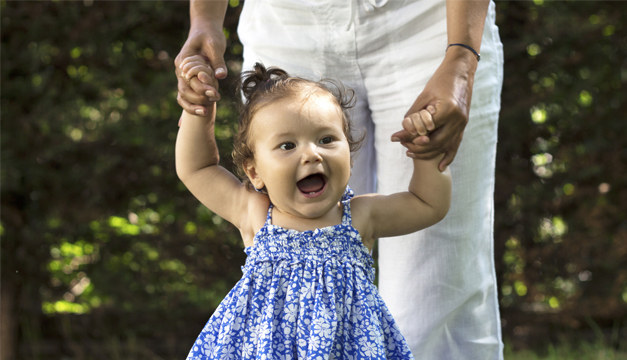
[426,201]
[197,166]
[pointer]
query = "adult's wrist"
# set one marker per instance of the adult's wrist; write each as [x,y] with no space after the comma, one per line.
[462,59]
[203,25]
[204,13]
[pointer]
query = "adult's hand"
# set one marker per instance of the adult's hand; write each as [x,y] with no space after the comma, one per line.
[196,69]
[207,39]
[449,92]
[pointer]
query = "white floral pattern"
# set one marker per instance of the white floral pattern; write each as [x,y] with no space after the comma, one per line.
[304,295]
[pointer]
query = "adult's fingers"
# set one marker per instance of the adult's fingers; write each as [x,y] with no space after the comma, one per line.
[435,143]
[406,136]
[211,94]
[198,67]
[205,78]
[422,156]
[402,135]
[189,100]
[421,150]
[189,94]
[448,159]
[451,151]
[203,71]
[189,107]
[185,92]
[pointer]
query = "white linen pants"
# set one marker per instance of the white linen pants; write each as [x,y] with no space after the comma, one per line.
[439,283]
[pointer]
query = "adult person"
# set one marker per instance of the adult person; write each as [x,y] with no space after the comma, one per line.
[439,283]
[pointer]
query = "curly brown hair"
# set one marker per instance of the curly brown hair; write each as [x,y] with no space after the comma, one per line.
[262,86]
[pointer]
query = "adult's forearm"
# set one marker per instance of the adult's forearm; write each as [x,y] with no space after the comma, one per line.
[203,12]
[465,20]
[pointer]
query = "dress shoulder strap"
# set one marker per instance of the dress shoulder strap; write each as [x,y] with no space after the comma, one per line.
[346,204]
[269,216]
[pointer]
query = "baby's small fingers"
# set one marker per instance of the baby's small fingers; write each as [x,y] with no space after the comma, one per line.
[191,59]
[198,69]
[427,119]
[191,63]
[416,119]
[408,125]
[194,68]
[188,64]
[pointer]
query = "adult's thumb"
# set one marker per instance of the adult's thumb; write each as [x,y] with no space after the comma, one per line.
[218,66]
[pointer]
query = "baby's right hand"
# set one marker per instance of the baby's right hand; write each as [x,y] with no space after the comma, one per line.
[201,78]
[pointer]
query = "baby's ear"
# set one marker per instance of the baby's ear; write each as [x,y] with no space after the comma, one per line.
[251,171]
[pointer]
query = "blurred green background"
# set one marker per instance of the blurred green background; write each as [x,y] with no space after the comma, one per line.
[106,255]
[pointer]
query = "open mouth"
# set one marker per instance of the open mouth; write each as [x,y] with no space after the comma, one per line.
[312,185]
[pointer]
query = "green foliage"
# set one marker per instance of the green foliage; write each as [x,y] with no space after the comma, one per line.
[561,194]
[104,251]
[94,219]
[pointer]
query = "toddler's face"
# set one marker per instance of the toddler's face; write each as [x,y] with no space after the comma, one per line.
[301,155]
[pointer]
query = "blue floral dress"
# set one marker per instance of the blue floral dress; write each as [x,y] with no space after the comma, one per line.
[304,295]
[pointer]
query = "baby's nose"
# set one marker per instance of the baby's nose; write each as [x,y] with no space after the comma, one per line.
[311,155]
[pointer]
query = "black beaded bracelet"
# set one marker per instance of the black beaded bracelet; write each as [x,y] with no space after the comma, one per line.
[469,48]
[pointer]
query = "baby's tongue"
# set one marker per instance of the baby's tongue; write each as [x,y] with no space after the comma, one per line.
[311,183]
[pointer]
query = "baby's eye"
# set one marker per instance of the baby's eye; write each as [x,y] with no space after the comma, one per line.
[326,140]
[287,146]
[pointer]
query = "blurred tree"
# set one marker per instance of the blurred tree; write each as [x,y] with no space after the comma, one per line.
[561,228]
[94,219]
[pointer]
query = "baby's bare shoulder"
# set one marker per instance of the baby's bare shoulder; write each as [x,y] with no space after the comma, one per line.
[255,216]
[361,210]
